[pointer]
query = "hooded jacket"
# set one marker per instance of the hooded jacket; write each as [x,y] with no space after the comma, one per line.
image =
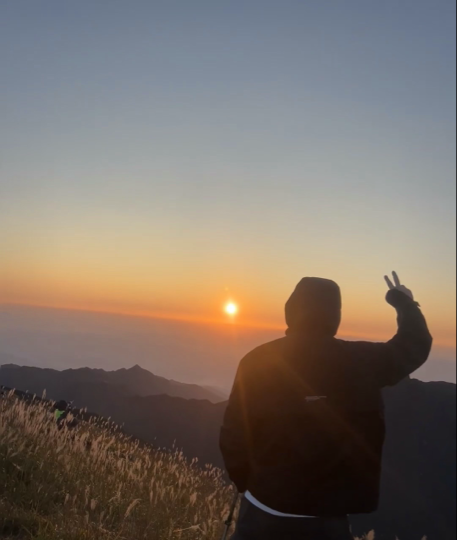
[304,429]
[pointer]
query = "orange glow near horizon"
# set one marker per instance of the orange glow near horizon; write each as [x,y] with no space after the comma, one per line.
[352,330]
[202,299]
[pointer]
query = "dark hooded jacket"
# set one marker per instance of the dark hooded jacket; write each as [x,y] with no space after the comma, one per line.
[304,429]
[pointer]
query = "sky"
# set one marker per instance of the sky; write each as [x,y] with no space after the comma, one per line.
[162,158]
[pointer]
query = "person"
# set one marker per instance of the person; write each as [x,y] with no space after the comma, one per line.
[304,430]
[63,417]
[60,412]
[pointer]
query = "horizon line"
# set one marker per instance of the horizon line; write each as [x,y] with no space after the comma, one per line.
[192,319]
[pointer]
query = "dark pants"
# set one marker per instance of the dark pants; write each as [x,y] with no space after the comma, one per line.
[254,524]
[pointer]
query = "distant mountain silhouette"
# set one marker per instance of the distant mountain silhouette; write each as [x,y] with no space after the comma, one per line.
[419,483]
[419,480]
[130,382]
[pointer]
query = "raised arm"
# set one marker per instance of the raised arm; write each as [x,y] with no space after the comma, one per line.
[386,364]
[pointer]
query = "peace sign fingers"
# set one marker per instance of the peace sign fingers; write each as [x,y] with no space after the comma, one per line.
[396,284]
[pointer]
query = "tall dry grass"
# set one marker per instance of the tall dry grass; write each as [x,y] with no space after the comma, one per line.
[93,484]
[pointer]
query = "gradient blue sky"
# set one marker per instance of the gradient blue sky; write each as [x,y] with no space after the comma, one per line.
[161,156]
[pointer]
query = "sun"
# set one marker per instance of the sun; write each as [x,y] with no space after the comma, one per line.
[231,309]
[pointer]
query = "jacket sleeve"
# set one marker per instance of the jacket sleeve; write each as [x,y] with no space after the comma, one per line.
[236,432]
[386,364]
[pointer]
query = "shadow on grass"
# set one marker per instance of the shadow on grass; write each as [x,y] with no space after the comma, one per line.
[19,528]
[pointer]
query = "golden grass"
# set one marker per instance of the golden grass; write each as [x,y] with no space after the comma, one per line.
[93,484]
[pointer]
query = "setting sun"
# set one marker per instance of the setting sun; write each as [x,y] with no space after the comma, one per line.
[231,309]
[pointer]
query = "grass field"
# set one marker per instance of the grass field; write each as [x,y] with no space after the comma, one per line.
[93,484]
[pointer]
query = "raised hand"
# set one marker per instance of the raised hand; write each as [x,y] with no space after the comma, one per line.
[396,284]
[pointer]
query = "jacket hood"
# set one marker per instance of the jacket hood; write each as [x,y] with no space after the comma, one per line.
[314,307]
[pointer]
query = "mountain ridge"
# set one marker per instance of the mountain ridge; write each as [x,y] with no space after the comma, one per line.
[130,381]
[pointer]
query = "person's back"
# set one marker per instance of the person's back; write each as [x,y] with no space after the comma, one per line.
[304,429]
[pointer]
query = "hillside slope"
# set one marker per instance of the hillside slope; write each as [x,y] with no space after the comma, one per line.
[419,480]
[88,484]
